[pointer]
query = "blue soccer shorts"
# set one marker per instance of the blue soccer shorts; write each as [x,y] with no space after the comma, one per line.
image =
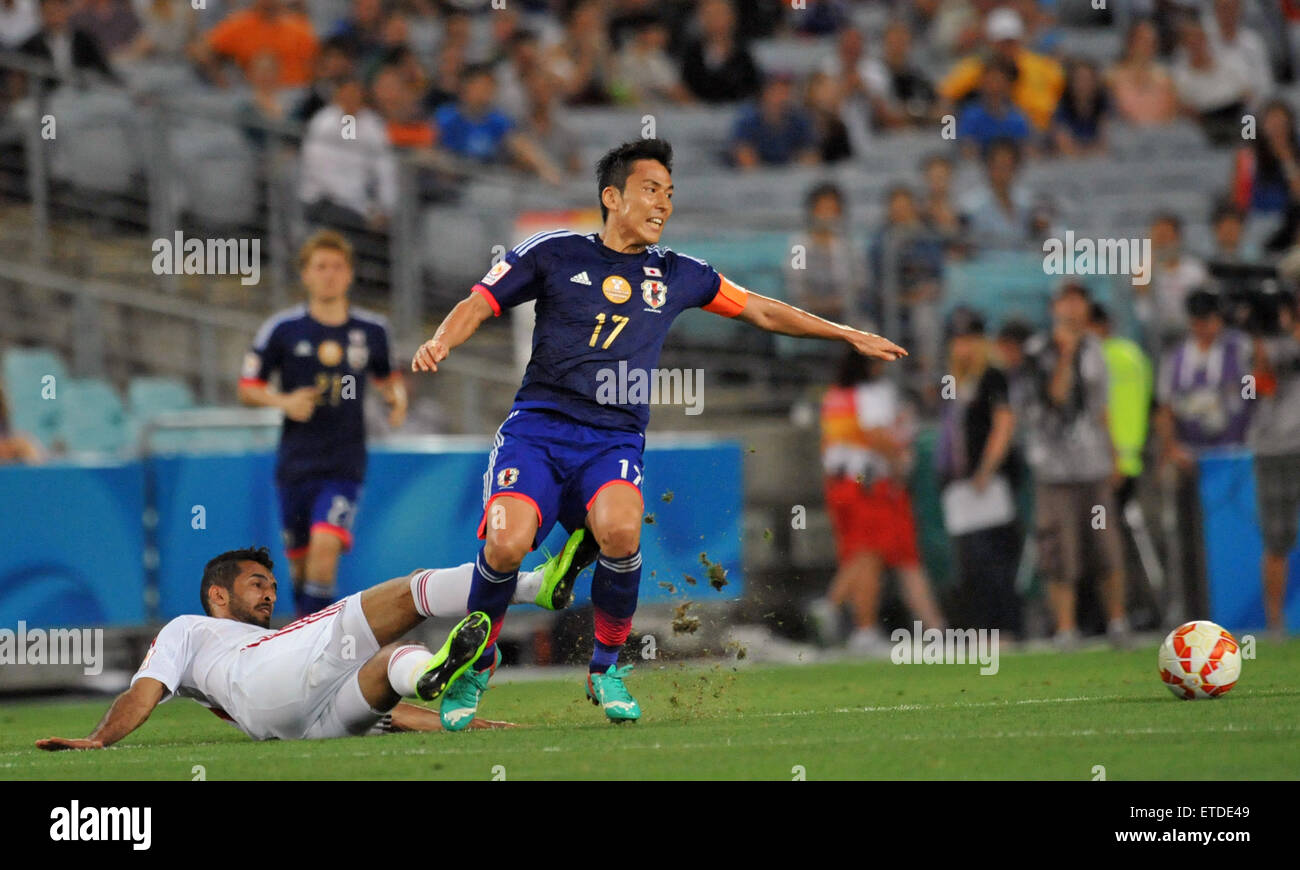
[325,505]
[559,466]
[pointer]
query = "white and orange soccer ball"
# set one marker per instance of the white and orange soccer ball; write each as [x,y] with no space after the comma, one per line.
[1200,659]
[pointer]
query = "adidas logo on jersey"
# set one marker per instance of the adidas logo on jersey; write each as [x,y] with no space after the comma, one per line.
[581,278]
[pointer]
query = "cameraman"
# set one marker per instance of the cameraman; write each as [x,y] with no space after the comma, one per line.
[1274,436]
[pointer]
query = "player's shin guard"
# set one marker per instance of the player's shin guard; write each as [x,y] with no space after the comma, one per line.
[490,591]
[613,593]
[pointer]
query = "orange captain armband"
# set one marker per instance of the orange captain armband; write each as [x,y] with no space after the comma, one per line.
[730,300]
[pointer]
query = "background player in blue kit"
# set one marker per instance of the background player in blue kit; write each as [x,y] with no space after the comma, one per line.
[566,453]
[323,352]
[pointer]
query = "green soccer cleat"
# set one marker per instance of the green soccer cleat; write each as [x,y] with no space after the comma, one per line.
[607,690]
[460,701]
[464,644]
[560,571]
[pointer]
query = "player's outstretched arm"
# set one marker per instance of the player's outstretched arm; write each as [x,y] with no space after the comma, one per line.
[776,316]
[456,328]
[128,713]
[412,717]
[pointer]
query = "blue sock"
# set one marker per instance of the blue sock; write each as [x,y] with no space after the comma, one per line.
[311,597]
[614,587]
[602,657]
[490,591]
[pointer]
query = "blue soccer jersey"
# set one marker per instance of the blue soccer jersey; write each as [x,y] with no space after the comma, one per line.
[596,309]
[336,360]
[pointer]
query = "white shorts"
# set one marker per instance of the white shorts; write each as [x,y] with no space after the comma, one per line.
[301,682]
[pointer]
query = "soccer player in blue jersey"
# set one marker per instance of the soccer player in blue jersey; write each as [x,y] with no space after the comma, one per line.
[566,453]
[324,351]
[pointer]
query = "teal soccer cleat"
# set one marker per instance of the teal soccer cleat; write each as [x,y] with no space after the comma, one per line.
[607,690]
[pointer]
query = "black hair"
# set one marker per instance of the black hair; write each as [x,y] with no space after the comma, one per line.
[825,188]
[854,368]
[1170,218]
[1015,330]
[1225,209]
[613,169]
[476,69]
[1098,314]
[222,570]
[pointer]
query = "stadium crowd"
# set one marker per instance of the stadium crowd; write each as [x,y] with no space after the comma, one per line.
[1078,403]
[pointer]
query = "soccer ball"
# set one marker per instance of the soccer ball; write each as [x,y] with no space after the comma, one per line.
[1199,660]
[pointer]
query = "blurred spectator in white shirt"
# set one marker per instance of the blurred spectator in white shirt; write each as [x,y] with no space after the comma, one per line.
[1215,88]
[1230,38]
[643,71]
[348,172]
[18,22]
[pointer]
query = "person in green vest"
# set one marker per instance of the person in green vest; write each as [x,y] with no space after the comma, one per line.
[1131,385]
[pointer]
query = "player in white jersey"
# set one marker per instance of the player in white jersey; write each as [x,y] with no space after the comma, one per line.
[338,672]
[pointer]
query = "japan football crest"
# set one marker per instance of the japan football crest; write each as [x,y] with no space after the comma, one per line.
[507,477]
[655,293]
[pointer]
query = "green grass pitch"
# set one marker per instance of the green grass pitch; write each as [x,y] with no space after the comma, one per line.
[1043,716]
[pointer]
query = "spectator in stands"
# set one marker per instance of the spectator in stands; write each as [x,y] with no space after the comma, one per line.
[447,74]
[901,93]
[867,433]
[1141,85]
[1079,125]
[938,211]
[523,55]
[1213,89]
[775,131]
[112,22]
[348,177]
[166,30]
[70,49]
[1266,171]
[1074,463]
[1227,225]
[1200,407]
[1229,38]
[15,446]
[907,261]
[398,103]
[992,116]
[474,128]
[825,274]
[1010,343]
[265,26]
[824,104]
[1039,80]
[18,22]
[1000,214]
[582,59]
[979,473]
[850,69]
[544,124]
[359,31]
[394,37]
[717,66]
[1274,437]
[265,104]
[1161,303]
[643,71]
[333,64]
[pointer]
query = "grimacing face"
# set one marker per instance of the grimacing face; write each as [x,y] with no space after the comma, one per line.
[251,599]
[643,207]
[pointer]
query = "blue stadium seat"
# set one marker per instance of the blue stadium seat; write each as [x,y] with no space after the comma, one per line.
[94,420]
[29,412]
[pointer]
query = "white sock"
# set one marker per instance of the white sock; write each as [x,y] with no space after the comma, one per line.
[445,591]
[405,665]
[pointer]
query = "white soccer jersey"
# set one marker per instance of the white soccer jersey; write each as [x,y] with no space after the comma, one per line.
[289,684]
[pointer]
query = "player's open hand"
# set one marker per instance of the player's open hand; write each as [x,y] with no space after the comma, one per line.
[54,744]
[431,353]
[877,346]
